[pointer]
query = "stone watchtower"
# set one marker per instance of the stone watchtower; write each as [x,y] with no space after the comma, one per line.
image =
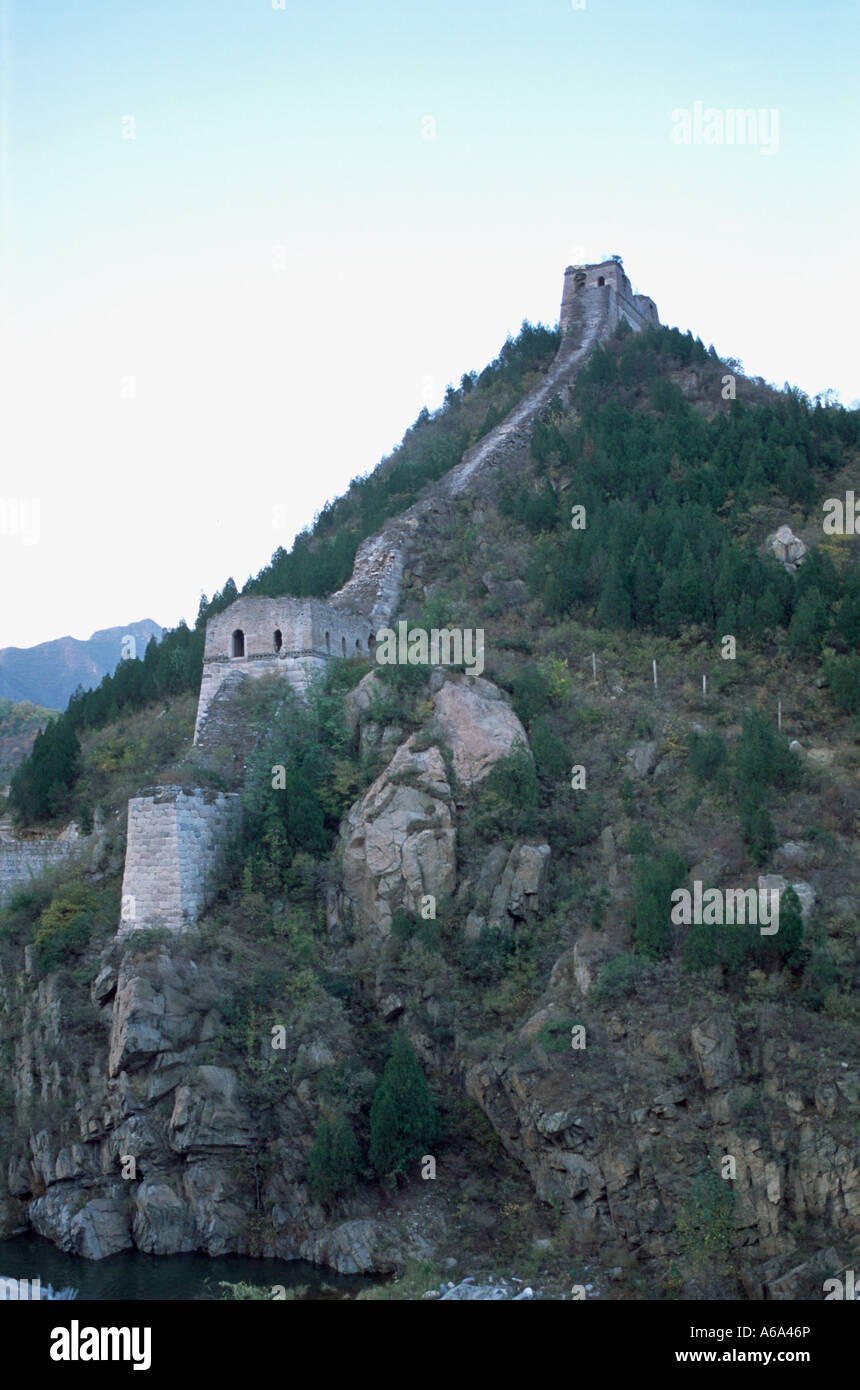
[292,637]
[602,293]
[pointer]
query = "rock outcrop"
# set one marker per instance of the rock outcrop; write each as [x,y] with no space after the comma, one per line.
[399,842]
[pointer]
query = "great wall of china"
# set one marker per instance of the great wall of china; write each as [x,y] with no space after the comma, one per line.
[177,837]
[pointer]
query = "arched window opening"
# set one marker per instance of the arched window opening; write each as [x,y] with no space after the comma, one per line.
[358,644]
[328,642]
[238,643]
[343,646]
[371,643]
[279,641]
[601,280]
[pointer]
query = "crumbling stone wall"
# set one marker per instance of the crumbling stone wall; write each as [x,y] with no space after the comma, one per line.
[26,859]
[177,840]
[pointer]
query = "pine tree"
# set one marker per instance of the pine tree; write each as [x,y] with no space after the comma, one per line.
[808,624]
[403,1119]
[655,879]
[700,947]
[789,939]
[669,605]
[334,1159]
[613,610]
[644,586]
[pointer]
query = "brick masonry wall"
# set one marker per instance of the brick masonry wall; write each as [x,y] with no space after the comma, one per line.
[26,859]
[177,839]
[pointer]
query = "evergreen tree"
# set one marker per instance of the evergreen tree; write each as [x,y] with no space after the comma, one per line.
[403,1119]
[551,757]
[768,611]
[334,1160]
[700,947]
[644,586]
[655,879]
[613,610]
[843,672]
[789,939]
[757,828]
[809,623]
[847,622]
[763,757]
[669,605]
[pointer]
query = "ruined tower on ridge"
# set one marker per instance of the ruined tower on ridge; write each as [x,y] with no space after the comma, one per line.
[601,294]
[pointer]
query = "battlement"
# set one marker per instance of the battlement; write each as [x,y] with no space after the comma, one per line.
[589,289]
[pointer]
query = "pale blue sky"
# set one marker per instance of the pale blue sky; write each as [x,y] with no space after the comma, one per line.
[246,304]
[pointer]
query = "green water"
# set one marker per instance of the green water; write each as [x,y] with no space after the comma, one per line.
[132,1276]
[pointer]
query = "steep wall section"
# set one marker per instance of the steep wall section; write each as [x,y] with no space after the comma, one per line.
[177,840]
[381,559]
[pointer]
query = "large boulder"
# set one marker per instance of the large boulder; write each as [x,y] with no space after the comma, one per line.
[90,1222]
[478,724]
[354,1247]
[643,757]
[399,841]
[788,548]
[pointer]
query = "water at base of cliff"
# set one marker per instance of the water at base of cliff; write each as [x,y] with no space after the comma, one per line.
[132,1275]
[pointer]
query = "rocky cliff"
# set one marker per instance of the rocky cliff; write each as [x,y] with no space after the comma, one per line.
[127,1128]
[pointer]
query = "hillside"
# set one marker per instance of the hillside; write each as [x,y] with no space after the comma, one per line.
[50,672]
[469,878]
[19,724]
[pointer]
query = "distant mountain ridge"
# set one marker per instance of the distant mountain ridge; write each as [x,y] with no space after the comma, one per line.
[48,673]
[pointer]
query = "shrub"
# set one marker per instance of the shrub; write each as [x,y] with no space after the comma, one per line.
[403,1119]
[618,978]
[551,756]
[708,753]
[485,958]
[819,978]
[531,692]
[705,1222]
[509,795]
[654,881]
[554,1036]
[757,828]
[843,673]
[64,927]
[334,1160]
